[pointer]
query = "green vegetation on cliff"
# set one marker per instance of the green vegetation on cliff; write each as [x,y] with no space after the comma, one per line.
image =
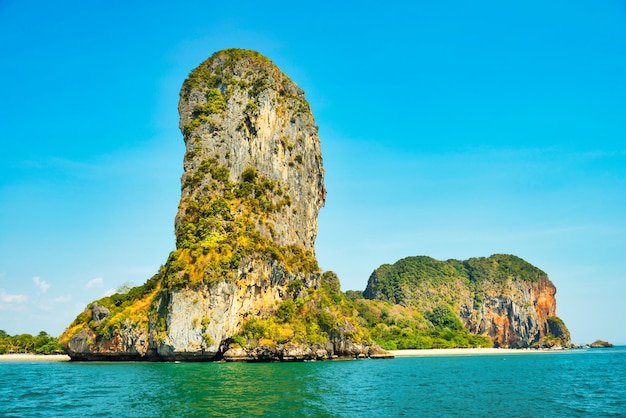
[217,72]
[410,279]
[327,313]
[213,76]
[132,306]
[396,327]
[313,316]
[227,220]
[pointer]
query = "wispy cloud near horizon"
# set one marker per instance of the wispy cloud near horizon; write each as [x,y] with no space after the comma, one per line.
[41,284]
[12,298]
[12,301]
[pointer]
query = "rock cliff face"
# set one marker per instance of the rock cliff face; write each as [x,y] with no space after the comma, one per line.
[501,296]
[252,187]
[239,111]
[515,315]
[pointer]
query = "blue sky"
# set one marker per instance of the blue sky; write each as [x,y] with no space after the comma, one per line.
[452,129]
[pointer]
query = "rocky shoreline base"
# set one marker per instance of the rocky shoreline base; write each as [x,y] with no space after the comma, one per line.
[244,356]
[298,352]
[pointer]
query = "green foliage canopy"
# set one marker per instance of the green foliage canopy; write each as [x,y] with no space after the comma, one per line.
[42,343]
[405,281]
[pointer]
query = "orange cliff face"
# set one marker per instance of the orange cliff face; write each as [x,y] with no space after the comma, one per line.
[545,304]
[501,326]
[516,314]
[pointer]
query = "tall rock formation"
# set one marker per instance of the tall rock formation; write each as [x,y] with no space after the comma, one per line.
[240,113]
[501,296]
[252,187]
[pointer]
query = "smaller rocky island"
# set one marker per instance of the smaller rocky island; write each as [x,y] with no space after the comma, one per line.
[502,297]
[600,344]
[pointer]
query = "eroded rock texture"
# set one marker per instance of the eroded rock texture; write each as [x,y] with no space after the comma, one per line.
[239,111]
[514,315]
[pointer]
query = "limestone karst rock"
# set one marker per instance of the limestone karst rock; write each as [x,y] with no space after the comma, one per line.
[239,112]
[251,190]
[502,296]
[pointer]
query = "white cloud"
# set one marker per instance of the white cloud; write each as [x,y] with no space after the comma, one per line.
[42,285]
[97,282]
[110,292]
[12,307]
[62,299]
[10,298]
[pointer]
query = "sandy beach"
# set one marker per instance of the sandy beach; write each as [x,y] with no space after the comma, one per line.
[34,357]
[397,353]
[466,352]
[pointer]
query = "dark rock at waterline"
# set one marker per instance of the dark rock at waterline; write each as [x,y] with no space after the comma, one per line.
[601,344]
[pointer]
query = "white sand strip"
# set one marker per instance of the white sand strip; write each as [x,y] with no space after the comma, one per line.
[34,357]
[466,351]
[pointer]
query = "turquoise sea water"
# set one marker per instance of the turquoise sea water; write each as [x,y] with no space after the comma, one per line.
[568,384]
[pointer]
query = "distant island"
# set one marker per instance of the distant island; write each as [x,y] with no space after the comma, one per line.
[243,283]
[600,344]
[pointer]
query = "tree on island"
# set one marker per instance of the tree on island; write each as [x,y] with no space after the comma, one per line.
[42,343]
